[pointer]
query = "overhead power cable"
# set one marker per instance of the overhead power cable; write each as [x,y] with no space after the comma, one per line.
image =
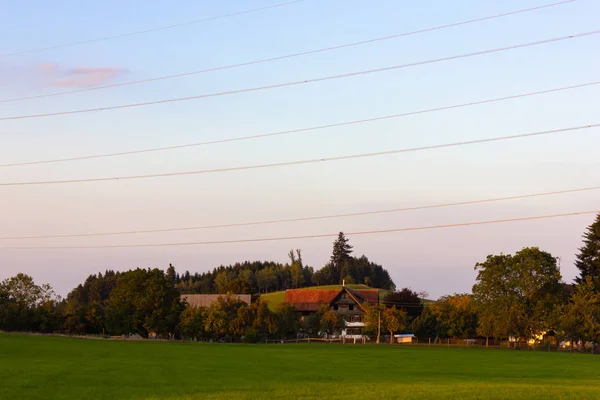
[304,53]
[301,162]
[313,218]
[295,83]
[325,235]
[160,28]
[291,131]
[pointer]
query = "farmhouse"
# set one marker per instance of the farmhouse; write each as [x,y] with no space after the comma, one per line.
[205,300]
[348,302]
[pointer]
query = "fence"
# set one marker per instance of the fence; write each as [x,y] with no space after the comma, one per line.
[448,342]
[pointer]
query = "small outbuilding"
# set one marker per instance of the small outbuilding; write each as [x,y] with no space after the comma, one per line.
[404,338]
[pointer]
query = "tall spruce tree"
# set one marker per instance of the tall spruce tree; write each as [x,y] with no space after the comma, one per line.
[588,259]
[341,255]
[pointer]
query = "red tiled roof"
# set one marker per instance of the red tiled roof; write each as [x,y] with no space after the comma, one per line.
[369,295]
[304,297]
[311,299]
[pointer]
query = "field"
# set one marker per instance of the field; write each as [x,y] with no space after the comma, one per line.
[35,367]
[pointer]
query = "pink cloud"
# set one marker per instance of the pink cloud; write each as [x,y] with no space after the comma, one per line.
[88,76]
[46,68]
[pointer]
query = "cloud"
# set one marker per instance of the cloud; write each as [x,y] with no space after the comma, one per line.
[46,68]
[87,76]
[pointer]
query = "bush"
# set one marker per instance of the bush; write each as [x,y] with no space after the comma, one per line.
[251,335]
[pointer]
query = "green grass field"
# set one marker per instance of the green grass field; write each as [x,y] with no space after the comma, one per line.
[35,367]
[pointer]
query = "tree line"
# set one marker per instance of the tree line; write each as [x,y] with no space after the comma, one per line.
[265,277]
[520,296]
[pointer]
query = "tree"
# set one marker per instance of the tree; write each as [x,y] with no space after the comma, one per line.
[264,322]
[393,320]
[406,300]
[171,274]
[485,324]
[296,269]
[518,292]
[341,255]
[287,320]
[579,318]
[224,319]
[588,259]
[266,280]
[85,308]
[23,290]
[238,286]
[192,323]
[456,316]
[144,302]
[372,319]
[26,306]
[222,281]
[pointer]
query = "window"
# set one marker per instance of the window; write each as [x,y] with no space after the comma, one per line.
[351,307]
[335,307]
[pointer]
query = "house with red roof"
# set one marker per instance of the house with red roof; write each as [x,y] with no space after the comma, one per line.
[350,303]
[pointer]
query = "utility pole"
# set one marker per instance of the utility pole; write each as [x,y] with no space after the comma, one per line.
[378,325]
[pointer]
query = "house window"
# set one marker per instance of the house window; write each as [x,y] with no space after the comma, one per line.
[335,307]
[351,307]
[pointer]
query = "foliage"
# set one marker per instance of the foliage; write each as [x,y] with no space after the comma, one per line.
[518,292]
[588,259]
[85,308]
[393,320]
[372,318]
[579,318]
[456,316]
[406,300]
[288,322]
[340,257]
[192,323]
[143,302]
[26,306]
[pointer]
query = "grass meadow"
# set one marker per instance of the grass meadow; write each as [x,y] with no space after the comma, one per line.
[39,367]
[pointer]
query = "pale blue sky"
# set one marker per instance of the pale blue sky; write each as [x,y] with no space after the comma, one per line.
[437,261]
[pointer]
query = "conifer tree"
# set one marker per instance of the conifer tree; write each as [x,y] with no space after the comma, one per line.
[341,254]
[588,259]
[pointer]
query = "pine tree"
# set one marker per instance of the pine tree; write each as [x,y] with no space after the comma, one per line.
[341,254]
[588,259]
[171,274]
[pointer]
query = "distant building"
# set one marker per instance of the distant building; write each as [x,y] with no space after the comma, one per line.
[404,338]
[205,300]
[348,302]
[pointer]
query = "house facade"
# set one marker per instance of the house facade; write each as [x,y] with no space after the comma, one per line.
[349,303]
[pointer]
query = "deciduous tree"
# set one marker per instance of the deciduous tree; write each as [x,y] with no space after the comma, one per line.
[518,292]
[579,318]
[393,320]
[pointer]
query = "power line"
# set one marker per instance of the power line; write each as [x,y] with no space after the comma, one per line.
[265,60]
[325,235]
[313,218]
[301,162]
[295,83]
[313,128]
[161,28]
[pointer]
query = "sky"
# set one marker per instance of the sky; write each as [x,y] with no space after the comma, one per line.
[439,261]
